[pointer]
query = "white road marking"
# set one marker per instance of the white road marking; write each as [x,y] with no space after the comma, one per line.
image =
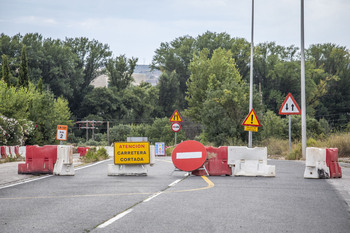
[47,176]
[112,220]
[174,183]
[153,196]
[26,181]
[91,165]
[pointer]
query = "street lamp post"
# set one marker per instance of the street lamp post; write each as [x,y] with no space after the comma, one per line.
[250,133]
[303,102]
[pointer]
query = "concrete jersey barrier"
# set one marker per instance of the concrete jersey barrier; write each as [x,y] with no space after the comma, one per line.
[322,163]
[250,161]
[64,164]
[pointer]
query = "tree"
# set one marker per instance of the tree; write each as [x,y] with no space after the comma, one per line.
[217,96]
[5,70]
[120,71]
[40,85]
[333,61]
[23,77]
[103,102]
[175,56]
[169,93]
[91,57]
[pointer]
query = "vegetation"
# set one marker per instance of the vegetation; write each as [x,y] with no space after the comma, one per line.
[93,156]
[46,82]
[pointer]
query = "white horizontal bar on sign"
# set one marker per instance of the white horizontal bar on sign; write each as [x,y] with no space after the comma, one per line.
[189,155]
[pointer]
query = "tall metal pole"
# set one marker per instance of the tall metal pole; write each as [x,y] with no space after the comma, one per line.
[303,101]
[107,132]
[250,133]
[87,131]
[290,134]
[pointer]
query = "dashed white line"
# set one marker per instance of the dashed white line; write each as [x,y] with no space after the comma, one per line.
[91,165]
[47,176]
[174,183]
[112,220]
[26,181]
[153,196]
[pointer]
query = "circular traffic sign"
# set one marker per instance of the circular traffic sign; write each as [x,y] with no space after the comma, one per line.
[189,155]
[175,127]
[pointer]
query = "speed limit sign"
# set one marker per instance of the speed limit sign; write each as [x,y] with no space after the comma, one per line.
[175,127]
[62,132]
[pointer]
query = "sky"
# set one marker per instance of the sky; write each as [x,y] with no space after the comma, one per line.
[136,28]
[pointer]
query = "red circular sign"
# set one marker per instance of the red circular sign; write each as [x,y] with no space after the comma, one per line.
[189,155]
[175,127]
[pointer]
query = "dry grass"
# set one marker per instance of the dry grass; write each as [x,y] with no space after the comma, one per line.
[340,141]
[278,148]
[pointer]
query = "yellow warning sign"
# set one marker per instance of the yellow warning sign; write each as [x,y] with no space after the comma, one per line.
[251,128]
[175,117]
[251,119]
[131,153]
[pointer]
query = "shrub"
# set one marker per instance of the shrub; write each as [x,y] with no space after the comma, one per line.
[340,141]
[93,156]
[169,150]
[276,147]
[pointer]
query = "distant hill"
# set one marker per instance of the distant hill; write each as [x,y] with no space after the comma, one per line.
[144,73]
[141,73]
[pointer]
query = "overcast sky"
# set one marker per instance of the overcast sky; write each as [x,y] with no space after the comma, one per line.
[137,27]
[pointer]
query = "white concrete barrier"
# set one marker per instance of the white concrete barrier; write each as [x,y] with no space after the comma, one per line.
[133,170]
[64,164]
[250,161]
[315,164]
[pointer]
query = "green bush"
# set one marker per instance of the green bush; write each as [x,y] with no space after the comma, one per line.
[93,156]
[169,150]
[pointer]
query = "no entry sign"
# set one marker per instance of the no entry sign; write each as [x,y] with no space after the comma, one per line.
[189,155]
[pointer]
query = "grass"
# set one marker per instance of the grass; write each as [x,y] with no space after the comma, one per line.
[10,159]
[93,156]
[278,148]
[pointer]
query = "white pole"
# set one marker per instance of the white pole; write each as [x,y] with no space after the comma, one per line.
[250,133]
[303,101]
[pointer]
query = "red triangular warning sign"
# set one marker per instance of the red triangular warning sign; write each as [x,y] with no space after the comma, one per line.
[175,117]
[289,106]
[251,119]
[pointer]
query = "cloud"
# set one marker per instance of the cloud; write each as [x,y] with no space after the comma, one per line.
[34,20]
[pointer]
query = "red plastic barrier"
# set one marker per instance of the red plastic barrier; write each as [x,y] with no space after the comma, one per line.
[39,160]
[3,152]
[83,150]
[332,163]
[17,150]
[217,165]
[9,151]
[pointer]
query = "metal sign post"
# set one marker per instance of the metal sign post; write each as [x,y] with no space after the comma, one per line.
[175,126]
[290,107]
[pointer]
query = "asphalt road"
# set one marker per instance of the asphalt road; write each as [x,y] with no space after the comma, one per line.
[164,201]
